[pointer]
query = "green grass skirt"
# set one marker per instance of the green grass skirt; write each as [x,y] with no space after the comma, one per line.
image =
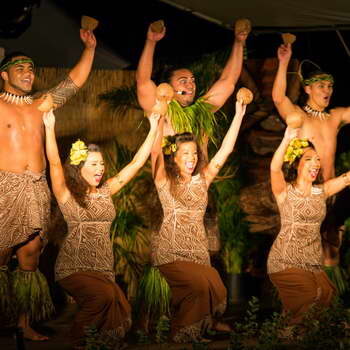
[31,294]
[5,292]
[339,278]
[154,292]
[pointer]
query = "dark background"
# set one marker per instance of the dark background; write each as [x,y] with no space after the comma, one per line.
[123,26]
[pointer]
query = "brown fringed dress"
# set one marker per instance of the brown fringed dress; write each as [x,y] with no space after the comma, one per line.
[180,251]
[84,268]
[295,260]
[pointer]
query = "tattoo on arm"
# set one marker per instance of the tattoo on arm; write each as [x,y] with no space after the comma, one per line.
[63,91]
[217,166]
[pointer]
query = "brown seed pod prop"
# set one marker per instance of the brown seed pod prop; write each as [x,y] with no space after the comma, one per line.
[243,25]
[158,26]
[294,120]
[47,103]
[89,23]
[244,95]
[288,38]
[164,92]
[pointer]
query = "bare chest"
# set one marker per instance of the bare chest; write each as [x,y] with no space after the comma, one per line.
[322,133]
[20,121]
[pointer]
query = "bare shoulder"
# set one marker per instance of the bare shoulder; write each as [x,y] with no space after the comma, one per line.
[338,114]
[338,110]
[300,110]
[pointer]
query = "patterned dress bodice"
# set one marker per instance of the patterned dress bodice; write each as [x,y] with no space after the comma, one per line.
[182,236]
[298,243]
[87,246]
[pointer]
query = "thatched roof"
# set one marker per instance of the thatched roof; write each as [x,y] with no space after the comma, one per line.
[86,116]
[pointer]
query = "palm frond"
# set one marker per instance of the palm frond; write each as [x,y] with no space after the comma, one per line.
[121,99]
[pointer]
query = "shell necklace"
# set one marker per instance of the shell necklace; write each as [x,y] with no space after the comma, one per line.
[315,113]
[16,99]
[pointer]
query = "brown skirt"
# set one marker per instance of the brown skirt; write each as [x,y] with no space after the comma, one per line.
[197,296]
[102,304]
[300,289]
[24,207]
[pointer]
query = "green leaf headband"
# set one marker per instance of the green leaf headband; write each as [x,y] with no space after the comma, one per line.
[317,78]
[168,145]
[295,150]
[78,153]
[12,63]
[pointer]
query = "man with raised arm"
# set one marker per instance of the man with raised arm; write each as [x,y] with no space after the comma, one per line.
[24,194]
[319,125]
[184,84]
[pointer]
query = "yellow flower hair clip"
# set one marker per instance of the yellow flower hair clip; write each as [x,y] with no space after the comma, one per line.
[295,149]
[168,146]
[78,152]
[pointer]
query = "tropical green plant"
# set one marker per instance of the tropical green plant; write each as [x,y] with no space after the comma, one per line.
[325,328]
[343,163]
[342,270]
[121,99]
[322,328]
[233,228]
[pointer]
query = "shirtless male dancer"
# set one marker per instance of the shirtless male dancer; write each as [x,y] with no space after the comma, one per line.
[24,194]
[183,80]
[320,126]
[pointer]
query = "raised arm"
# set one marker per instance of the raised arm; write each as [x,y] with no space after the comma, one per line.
[59,187]
[217,162]
[146,88]
[279,90]
[225,85]
[127,173]
[78,74]
[345,115]
[337,184]
[157,157]
[278,182]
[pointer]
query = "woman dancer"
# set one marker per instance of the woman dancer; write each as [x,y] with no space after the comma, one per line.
[84,266]
[295,259]
[180,248]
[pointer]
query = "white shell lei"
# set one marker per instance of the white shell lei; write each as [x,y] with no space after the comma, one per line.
[15,99]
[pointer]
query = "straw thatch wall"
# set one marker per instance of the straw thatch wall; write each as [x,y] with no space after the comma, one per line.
[85,116]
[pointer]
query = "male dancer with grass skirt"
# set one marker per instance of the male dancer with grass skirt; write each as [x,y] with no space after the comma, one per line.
[24,194]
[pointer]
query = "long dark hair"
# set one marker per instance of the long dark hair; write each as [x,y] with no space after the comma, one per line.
[290,171]
[76,184]
[171,168]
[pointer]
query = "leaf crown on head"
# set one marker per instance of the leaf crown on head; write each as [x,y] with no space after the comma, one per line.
[321,77]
